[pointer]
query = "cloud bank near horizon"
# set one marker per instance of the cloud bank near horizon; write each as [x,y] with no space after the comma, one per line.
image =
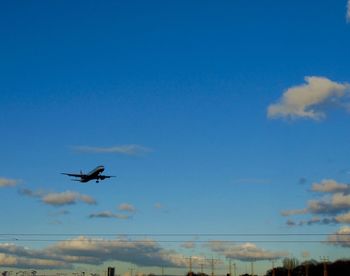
[84,250]
[246,252]
[96,251]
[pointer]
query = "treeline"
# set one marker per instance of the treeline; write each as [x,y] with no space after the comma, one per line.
[292,267]
[312,268]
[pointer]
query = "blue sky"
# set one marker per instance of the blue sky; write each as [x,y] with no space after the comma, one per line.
[216,117]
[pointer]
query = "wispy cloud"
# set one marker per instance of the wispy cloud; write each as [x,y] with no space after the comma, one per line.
[348,12]
[7,182]
[109,214]
[312,221]
[294,212]
[31,193]
[306,100]
[60,213]
[122,149]
[127,207]
[188,245]
[302,180]
[161,207]
[158,205]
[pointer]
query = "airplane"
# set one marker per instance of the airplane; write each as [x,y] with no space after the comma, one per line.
[95,174]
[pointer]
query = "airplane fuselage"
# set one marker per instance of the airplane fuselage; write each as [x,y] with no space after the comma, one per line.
[94,174]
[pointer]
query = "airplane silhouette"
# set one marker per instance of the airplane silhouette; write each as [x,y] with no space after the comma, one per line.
[95,174]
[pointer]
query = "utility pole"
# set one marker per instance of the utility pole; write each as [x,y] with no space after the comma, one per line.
[190,265]
[230,267]
[325,261]
[234,269]
[273,268]
[213,265]
[307,268]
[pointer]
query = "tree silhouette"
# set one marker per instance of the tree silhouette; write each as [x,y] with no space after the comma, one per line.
[337,268]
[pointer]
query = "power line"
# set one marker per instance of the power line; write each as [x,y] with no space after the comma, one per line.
[174,235]
[172,241]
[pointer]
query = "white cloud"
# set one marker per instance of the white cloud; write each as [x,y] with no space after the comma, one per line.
[122,149]
[306,100]
[244,252]
[108,214]
[29,263]
[333,208]
[126,207]
[67,198]
[348,12]
[330,186]
[59,199]
[338,202]
[294,212]
[6,182]
[341,237]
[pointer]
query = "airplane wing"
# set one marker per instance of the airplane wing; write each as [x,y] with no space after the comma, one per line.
[73,174]
[105,176]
